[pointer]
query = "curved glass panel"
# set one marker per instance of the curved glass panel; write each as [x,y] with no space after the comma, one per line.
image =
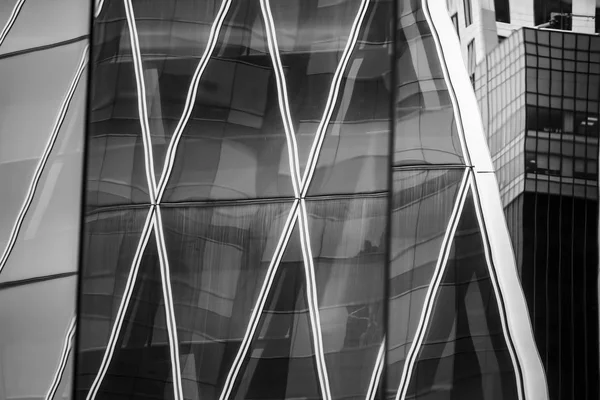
[423,204]
[464,353]
[426,131]
[27,91]
[219,259]
[45,23]
[51,224]
[35,318]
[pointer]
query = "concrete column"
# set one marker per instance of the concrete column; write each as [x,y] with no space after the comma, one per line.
[583,16]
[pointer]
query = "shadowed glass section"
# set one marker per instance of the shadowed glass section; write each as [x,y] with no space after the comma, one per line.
[354,156]
[425,130]
[110,242]
[348,241]
[141,365]
[51,225]
[42,22]
[423,201]
[281,361]
[35,319]
[234,146]
[29,104]
[115,158]
[464,354]
[219,257]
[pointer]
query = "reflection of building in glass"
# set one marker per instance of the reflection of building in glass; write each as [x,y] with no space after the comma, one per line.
[487,23]
[538,93]
[283,200]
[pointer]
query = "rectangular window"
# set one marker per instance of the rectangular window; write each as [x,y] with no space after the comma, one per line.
[468,12]
[555,13]
[502,11]
[471,60]
[454,19]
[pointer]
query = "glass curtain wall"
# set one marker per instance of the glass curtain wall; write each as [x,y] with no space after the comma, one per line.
[279,204]
[43,69]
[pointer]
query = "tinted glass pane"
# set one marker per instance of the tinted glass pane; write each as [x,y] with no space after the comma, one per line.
[110,242]
[115,159]
[35,319]
[141,364]
[422,205]
[47,242]
[426,130]
[234,143]
[354,156]
[42,22]
[282,362]
[464,353]
[26,92]
[348,242]
[219,258]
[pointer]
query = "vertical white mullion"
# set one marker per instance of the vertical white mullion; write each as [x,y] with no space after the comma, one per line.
[66,350]
[127,293]
[377,370]
[313,301]
[11,20]
[141,95]
[260,301]
[169,306]
[191,96]
[43,160]
[315,149]
[432,290]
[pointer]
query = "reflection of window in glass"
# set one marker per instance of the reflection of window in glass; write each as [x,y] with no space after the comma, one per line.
[468,12]
[471,60]
[454,19]
[567,166]
[502,11]
[586,123]
[544,10]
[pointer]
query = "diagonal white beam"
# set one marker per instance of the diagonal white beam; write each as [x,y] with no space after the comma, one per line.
[169,307]
[284,106]
[334,90]
[141,100]
[377,370]
[433,289]
[66,350]
[11,20]
[37,175]
[191,96]
[299,190]
[313,301]
[153,219]
[98,5]
[127,293]
[284,238]
[493,278]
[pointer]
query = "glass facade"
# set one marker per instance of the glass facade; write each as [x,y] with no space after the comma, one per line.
[538,92]
[281,200]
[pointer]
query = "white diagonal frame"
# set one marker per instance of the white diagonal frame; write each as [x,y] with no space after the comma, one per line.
[11,20]
[153,219]
[375,377]
[493,278]
[300,190]
[37,175]
[66,350]
[433,287]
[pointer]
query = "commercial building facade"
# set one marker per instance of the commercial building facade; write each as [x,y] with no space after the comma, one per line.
[281,200]
[538,92]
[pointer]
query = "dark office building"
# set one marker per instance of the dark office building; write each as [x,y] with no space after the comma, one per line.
[539,96]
